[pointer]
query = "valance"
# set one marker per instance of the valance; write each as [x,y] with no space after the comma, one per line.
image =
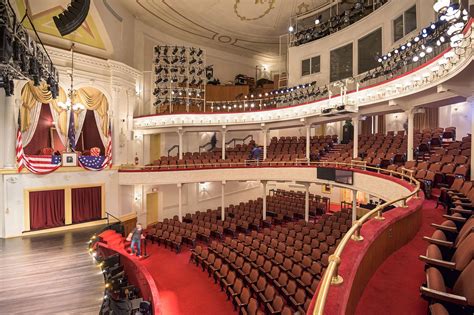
[90,97]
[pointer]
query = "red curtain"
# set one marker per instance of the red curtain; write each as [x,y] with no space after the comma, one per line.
[42,136]
[86,204]
[90,134]
[46,209]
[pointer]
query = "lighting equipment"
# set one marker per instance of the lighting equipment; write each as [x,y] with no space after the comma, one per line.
[71,18]
[21,57]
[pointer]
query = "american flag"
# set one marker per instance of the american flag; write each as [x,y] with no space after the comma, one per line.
[36,164]
[98,163]
[71,134]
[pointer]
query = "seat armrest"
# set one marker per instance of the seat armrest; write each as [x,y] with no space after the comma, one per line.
[444,228]
[437,262]
[462,211]
[443,296]
[453,218]
[438,242]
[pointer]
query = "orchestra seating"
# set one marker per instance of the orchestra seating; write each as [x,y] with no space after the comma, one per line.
[279,268]
[449,265]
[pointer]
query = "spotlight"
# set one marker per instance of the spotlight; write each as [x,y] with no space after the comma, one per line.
[291,29]
[429,49]
[417,39]
[415,58]
[70,19]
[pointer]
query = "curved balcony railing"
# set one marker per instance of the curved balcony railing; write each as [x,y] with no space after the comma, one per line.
[331,275]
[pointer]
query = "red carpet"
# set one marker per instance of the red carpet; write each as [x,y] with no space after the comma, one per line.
[394,288]
[183,287]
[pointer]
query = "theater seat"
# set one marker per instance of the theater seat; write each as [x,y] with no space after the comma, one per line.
[459,300]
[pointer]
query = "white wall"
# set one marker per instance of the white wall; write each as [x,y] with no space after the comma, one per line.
[203,196]
[394,122]
[456,115]
[383,17]
[15,185]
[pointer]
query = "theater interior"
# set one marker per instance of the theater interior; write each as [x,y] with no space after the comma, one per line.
[245,157]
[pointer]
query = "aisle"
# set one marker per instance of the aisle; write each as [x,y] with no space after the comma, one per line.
[394,288]
[183,287]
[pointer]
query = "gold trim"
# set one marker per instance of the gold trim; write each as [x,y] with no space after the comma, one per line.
[68,206]
[63,228]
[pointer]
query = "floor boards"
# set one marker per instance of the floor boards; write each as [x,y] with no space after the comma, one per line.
[49,274]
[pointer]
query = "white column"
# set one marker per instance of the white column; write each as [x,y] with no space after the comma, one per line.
[180,202]
[264,197]
[410,134]
[180,143]
[376,123]
[308,141]
[355,123]
[10,129]
[265,144]
[470,101]
[306,202]
[223,143]
[223,200]
[354,206]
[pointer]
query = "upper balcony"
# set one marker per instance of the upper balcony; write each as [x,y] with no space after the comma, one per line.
[415,77]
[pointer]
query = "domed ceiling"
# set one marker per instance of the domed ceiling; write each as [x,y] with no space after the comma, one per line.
[251,27]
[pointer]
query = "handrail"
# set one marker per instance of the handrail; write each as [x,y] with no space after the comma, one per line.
[111,215]
[234,140]
[172,148]
[331,276]
[203,146]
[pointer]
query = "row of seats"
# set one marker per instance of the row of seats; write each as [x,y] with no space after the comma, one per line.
[449,257]
[278,267]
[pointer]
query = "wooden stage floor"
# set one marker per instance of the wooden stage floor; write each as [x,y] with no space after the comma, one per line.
[50,274]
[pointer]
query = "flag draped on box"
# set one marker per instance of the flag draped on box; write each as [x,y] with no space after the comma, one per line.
[98,163]
[36,164]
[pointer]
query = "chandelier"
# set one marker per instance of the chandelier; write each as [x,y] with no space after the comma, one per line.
[72,100]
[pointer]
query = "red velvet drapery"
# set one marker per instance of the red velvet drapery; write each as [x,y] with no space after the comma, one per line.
[47,209]
[42,136]
[90,134]
[86,204]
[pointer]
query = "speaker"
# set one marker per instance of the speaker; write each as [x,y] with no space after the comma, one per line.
[68,21]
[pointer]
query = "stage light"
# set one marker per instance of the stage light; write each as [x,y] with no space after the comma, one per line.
[409,44]
[429,49]
[291,29]
[422,54]
[396,51]
[415,58]
[403,47]
[417,39]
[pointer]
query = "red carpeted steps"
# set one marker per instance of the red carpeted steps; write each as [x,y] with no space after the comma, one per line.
[394,288]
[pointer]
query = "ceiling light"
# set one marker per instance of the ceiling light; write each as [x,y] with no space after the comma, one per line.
[291,29]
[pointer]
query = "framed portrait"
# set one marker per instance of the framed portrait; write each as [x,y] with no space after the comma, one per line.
[69,159]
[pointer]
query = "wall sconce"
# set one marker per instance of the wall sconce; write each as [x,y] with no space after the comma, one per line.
[203,187]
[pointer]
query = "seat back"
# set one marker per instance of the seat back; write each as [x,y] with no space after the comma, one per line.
[464,285]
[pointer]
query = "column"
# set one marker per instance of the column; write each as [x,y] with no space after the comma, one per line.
[264,197]
[180,202]
[265,143]
[354,206]
[223,142]
[306,202]
[355,123]
[308,141]
[10,129]
[376,123]
[410,134]
[470,102]
[180,143]
[223,200]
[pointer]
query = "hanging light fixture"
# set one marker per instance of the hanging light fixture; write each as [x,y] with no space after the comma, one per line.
[72,101]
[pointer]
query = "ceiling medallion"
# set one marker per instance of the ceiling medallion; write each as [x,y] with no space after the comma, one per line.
[270,3]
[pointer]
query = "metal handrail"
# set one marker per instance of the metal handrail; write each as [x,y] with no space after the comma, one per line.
[234,140]
[331,276]
[111,215]
[172,148]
